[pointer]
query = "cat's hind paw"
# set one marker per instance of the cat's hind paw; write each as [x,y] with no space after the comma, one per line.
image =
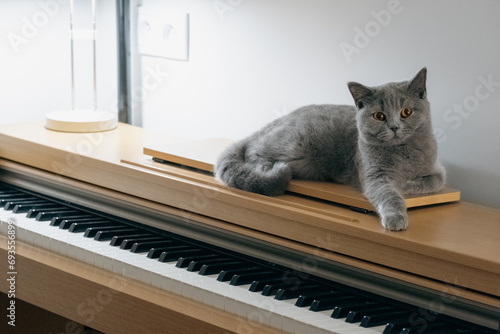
[395,222]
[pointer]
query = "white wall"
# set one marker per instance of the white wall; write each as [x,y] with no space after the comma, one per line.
[35,59]
[252,61]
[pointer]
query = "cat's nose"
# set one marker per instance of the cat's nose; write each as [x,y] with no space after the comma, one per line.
[394,128]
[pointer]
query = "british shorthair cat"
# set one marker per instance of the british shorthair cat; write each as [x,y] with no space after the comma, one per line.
[384,145]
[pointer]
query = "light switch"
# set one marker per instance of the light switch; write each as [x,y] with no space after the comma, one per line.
[163,33]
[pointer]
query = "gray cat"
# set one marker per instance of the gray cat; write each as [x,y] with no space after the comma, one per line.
[385,146]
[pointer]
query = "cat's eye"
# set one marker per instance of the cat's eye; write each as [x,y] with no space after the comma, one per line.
[406,112]
[379,116]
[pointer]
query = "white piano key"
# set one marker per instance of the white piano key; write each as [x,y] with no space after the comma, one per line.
[137,270]
[350,329]
[236,294]
[284,311]
[378,329]
[165,272]
[320,327]
[203,291]
[301,321]
[93,252]
[121,261]
[4,225]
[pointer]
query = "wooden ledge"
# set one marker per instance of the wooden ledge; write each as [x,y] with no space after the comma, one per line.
[202,155]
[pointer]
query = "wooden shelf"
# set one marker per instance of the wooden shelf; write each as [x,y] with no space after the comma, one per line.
[202,154]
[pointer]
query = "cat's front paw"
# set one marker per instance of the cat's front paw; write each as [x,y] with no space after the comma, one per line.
[395,222]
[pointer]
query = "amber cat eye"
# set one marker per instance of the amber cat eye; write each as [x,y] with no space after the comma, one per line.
[406,112]
[379,116]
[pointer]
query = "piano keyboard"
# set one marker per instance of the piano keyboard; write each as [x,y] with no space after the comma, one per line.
[247,287]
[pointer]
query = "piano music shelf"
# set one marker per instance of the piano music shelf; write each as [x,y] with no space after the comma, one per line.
[202,154]
[450,243]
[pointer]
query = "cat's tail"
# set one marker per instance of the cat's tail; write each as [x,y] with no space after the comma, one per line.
[235,171]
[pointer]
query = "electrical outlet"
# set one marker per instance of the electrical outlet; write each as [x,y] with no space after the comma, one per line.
[163,33]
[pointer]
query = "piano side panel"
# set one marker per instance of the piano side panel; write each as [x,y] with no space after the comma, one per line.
[32,319]
[108,302]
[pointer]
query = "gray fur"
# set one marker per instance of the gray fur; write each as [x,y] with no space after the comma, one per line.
[345,144]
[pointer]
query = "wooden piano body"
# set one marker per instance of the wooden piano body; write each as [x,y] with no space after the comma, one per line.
[448,259]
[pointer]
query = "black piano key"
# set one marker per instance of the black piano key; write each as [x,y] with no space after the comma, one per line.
[344,306]
[64,220]
[6,196]
[329,303]
[80,223]
[17,198]
[56,221]
[357,316]
[430,328]
[170,256]
[25,207]
[185,261]
[128,243]
[217,268]
[227,275]
[247,278]
[418,325]
[197,264]
[260,285]
[308,297]
[62,212]
[141,247]
[385,318]
[272,288]
[155,253]
[76,227]
[10,194]
[117,240]
[10,205]
[293,293]
[91,232]
[108,235]
[48,215]
[6,192]
[395,327]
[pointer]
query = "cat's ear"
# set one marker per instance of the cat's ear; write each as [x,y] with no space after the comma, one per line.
[417,85]
[360,93]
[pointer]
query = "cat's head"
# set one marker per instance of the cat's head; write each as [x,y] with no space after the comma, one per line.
[391,113]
